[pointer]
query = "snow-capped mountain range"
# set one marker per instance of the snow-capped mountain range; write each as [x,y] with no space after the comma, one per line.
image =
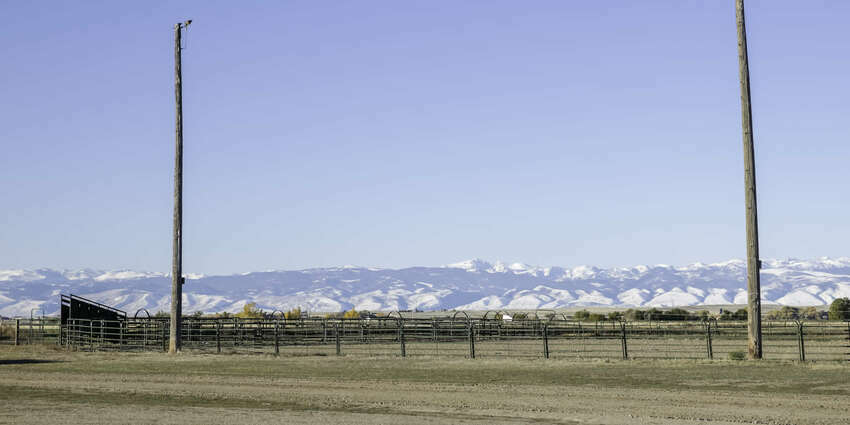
[470,285]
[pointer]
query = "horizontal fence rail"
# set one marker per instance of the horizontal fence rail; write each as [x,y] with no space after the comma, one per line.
[457,337]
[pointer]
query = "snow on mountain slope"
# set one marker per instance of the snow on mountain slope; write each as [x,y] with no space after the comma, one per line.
[124,275]
[473,284]
[22,275]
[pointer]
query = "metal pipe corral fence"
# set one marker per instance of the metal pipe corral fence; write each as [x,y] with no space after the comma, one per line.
[551,338]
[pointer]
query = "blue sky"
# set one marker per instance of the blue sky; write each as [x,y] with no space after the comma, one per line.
[385,133]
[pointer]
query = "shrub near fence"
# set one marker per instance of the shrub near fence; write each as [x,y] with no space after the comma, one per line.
[7,331]
[463,337]
[27,331]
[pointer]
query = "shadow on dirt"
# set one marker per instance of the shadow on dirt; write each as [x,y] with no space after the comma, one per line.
[27,361]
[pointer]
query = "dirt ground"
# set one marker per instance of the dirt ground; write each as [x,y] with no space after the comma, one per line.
[47,386]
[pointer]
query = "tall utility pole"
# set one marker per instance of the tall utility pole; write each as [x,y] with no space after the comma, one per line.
[753,263]
[177,242]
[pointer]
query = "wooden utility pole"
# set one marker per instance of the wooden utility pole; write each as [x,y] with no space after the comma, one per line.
[753,263]
[177,242]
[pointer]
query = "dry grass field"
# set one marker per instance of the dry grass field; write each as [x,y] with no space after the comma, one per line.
[46,386]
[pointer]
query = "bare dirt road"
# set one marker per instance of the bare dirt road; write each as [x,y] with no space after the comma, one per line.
[42,386]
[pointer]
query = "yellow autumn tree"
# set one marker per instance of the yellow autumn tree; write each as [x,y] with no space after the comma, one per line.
[293,314]
[250,311]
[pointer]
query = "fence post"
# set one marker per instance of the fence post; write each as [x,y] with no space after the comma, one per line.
[708,345]
[218,336]
[276,340]
[17,331]
[471,341]
[801,347]
[338,343]
[164,338]
[848,339]
[434,330]
[545,341]
[120,335]
[624,343]
[401,338]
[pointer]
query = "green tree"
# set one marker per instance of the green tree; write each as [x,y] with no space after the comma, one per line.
[784,313]
[581,315]
[810,313]
[741,314]
[653,314]
[595,317]
[677,314]
[840,309]
[634,314]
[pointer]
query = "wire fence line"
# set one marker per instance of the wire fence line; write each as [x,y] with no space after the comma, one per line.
[447,337]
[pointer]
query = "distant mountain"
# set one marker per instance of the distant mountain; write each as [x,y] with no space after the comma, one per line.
[474,285]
